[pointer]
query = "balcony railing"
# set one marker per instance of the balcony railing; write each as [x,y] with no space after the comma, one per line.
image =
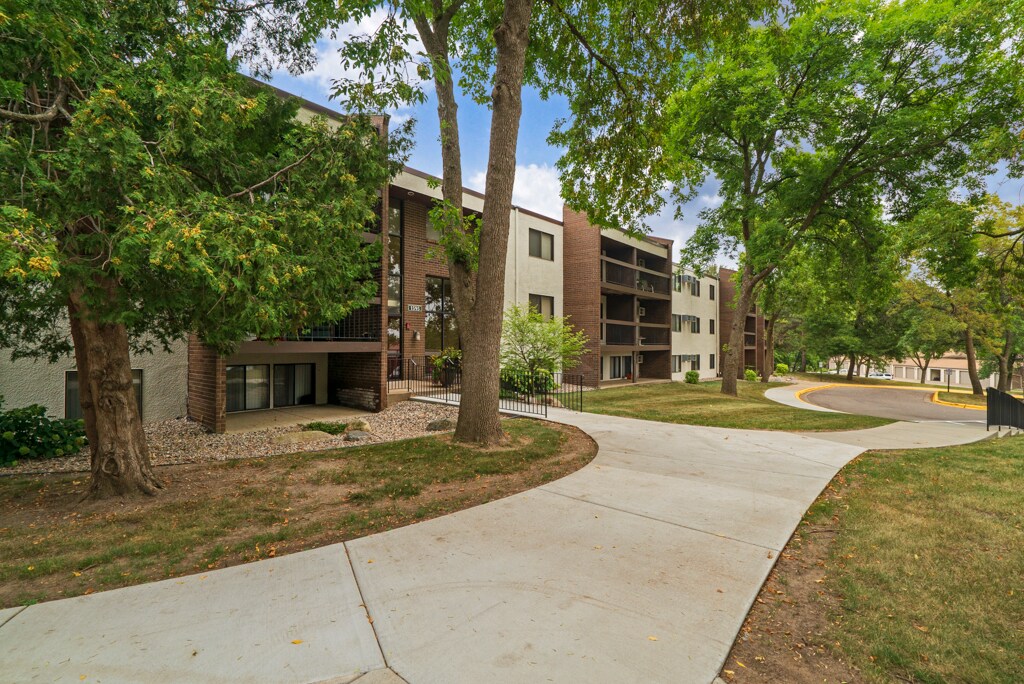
[623,276]
[619,334]
[750,339]
[361,326]
[653,336]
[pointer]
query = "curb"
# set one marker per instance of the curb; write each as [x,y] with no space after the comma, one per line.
[972,407]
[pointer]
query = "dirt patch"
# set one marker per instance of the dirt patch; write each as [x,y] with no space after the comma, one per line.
[214,515]
[785,638]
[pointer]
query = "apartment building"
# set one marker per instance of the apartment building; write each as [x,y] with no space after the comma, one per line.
[754,356]
[695,328]
[950,368]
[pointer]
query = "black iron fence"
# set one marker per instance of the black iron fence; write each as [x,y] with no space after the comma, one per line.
[1003,410]
[520,392]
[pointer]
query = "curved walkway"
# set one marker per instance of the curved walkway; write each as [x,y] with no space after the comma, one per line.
[641,567]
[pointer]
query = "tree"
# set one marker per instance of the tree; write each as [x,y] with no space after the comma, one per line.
[601,56]
[531,342]
[826,114]
[930,329]
[150,191]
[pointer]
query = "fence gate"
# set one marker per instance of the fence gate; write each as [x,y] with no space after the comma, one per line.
[1003,409]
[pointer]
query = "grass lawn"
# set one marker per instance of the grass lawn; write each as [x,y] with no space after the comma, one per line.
[858,380]
[703,404]
[909,568]
[218,514]
[963,398]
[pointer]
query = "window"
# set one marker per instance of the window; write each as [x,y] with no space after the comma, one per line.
[695,287]
[248,387]
[711,326]
[677,363]
[694,324]
[936,374]
[711,361]
[711,294]
[73,398]
[677,282]
[695,362]
[677,323]
[543,304]
[441,330]
[542,245]
[294,384]
[620,366]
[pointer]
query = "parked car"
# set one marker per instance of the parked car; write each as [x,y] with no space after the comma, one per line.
[880,376]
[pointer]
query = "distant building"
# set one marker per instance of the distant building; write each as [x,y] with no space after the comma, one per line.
[753,329]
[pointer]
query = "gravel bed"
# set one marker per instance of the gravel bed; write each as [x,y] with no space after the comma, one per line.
[178,441]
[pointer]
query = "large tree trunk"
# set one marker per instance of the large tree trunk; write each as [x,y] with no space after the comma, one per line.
[768,362]
[852,368]
[924,369]
[120,458]
[478,290]
[732,358]
[1005,360]
[972,362]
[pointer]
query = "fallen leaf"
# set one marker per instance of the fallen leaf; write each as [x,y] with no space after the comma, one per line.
[921,628]
[76,573]
[370,561]
[81,678]
[296,641]
[652,638]
[740,664]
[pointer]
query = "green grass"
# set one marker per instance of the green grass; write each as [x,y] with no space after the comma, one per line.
[219,514]
[704,404]
[858,380]
[929,562]
[963,398]
[328,427]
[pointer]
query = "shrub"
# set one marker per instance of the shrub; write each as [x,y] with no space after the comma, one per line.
[781,369]
[692,377]
[27,433]
[750,375]
[324,426]
[515,381]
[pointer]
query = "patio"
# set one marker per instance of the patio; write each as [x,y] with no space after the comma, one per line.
[249,421]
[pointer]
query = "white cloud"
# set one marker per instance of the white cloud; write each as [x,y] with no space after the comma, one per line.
[713,201]
[537,188]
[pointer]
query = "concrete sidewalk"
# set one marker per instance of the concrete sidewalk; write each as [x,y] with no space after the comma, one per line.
[641,567]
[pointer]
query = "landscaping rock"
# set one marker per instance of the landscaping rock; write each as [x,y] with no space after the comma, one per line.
[358,425]
[441,425]
[357,436]
[300,437]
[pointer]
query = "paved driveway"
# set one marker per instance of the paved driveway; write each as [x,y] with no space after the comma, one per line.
[641,567]
[902,403]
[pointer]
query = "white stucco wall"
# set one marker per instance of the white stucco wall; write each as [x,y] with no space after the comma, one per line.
[703,343]
[526,275]
[164,383]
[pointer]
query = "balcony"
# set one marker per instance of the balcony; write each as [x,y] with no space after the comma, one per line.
[358,332]
[654,337]
[619,335]
[750,340]
[624,278]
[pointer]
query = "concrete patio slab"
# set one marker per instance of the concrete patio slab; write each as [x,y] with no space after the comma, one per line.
[292,619]
[542,587]
[248,421]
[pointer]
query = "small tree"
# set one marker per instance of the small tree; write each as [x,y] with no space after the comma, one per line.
[531,342]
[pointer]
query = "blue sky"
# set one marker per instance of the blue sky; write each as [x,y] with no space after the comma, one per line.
[537,184]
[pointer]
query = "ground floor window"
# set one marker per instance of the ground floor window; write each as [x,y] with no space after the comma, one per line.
[711,361]
[677,363]
[695,362]
[543,304]
[936,374]
[73,398]
[620,367]
[248,387]
[441,328]
[294,384]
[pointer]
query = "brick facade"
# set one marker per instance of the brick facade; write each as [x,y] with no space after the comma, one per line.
[753,355]
[207,394]
[581,288]
[355,380]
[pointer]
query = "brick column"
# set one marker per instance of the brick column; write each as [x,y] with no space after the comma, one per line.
[207,381]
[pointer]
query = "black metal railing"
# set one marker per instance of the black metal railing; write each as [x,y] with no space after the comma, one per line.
[1003,410]
[520,392]
[619,334]
[361,326]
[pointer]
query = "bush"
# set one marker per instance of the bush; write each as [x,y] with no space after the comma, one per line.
[324,426]
[750,375]
[27,433]
[515,381]
[781,369]
[692,377]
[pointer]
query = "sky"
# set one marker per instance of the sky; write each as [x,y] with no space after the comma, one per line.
[536,185]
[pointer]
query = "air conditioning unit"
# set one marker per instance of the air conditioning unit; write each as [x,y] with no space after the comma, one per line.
[639,358]
[643,312]
[641,263]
